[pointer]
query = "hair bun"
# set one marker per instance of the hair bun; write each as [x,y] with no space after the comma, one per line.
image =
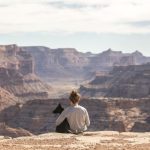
[74,96]
[74,93]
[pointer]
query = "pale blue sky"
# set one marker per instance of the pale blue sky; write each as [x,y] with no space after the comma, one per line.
[87,25]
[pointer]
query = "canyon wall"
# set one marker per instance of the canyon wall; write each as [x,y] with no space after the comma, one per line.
[123,81]
[7,99]
[70,63]
[58,63]
[17,74]
[105,114]
[13,57]
[24,87]
[64,62]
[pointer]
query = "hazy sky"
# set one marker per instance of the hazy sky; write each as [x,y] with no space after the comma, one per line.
[88,25]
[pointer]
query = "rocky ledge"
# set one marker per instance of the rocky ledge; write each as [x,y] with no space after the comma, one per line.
[104,140]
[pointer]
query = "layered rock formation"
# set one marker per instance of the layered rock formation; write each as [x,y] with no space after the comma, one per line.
[64,62]
[7,99]
[13,57]
[68,62]
[58,63]
[105,114]
[17,74]
[25,87]
[127,81]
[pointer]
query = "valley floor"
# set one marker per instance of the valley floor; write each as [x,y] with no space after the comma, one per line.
[62,89]
[102,140]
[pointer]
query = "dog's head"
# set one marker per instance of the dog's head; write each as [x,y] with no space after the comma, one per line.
[58,110]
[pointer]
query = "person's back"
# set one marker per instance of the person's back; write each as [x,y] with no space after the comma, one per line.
[76,115]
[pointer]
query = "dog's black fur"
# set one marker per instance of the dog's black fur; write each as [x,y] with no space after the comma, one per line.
[148,120]
[59,109]
[64,127]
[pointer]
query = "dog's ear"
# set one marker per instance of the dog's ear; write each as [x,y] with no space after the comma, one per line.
[58,110]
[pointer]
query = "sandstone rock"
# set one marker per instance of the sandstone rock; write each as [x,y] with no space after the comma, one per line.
[125,81]
[68,62]
[37,116]
[7,99]
[25,87]
[89,140]
[58,63]
[13,57]
[13,132]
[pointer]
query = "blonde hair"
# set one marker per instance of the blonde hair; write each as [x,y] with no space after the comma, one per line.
[74,97]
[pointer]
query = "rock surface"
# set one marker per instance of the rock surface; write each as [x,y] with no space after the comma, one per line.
[86,141]
[13,57]
[25,87]
[124,81]
[105,114]
[7,99]
[17,74]
[58,63]
[68,62]
[13,132]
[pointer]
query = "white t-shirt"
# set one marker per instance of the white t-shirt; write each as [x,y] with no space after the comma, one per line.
[77,117]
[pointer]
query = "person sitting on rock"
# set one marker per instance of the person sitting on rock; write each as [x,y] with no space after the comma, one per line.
[76,115]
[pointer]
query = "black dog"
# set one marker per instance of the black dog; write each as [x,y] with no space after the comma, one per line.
[59,109]
[64,127]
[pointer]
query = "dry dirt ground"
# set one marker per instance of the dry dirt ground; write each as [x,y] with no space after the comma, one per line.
[103,140]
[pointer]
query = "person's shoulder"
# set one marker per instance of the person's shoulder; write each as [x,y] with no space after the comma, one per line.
[81,107]
[68,109]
